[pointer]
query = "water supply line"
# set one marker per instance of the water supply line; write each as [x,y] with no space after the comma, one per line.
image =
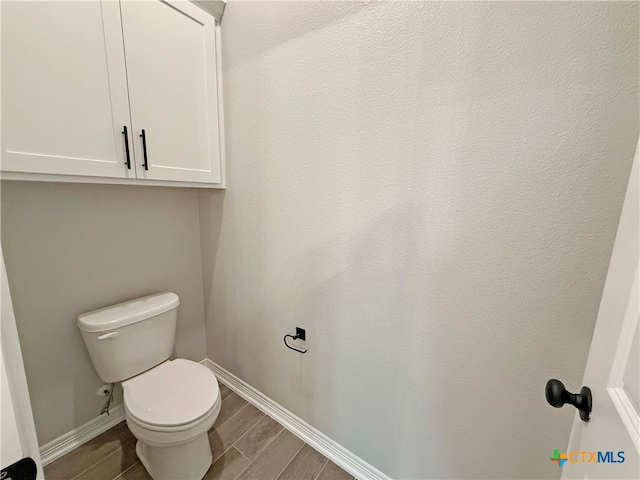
[106,407]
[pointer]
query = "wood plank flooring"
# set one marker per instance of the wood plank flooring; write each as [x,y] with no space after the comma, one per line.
[246,445]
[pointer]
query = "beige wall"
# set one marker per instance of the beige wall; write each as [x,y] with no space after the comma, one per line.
[432,191]
[73,248]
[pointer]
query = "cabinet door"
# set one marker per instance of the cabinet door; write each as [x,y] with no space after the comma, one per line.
[171,69]
[64,90]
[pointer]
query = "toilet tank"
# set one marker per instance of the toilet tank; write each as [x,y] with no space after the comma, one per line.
[129,338]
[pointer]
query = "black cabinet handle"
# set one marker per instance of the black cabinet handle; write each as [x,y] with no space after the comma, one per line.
[144,150]
[557,396]
[126,147]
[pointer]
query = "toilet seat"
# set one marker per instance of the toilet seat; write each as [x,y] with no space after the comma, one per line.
[155,436]
[215,409]
[171,397]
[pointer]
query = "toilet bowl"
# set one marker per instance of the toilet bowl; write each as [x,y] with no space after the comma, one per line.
[170,405]
[170,409]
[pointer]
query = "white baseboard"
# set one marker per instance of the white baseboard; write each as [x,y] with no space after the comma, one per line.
[323,444]
[76,437]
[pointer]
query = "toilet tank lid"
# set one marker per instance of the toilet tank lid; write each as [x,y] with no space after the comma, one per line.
[126,313]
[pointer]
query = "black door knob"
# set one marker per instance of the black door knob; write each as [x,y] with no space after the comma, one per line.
[557,396]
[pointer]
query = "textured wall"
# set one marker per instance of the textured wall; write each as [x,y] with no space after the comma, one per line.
[73,248]
[432,190]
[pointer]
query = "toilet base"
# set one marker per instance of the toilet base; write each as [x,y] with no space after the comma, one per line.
[187,461]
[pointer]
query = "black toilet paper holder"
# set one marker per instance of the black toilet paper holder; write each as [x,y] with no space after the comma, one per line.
[300,334]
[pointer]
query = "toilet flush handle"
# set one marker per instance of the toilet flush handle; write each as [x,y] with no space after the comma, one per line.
[109,335]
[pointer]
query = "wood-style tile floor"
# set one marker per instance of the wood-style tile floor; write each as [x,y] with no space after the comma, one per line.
[246,445]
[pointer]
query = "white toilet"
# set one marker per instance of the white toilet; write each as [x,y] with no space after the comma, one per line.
[169,404]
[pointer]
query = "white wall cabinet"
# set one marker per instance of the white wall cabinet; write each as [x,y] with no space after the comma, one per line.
[111,92]
[64,89]
[173,95]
